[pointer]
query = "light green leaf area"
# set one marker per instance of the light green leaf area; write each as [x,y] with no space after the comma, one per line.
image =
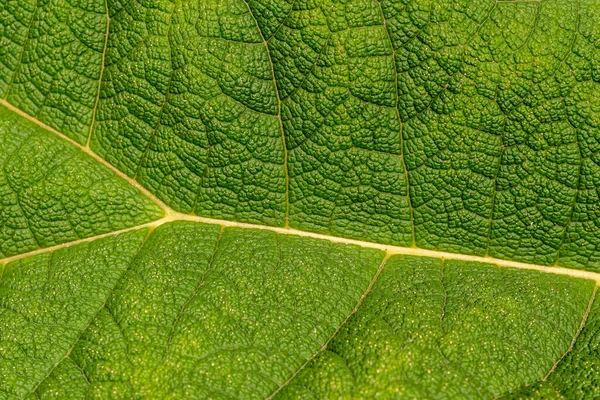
[448,329]
[49,299]
[299,199]
[208,312]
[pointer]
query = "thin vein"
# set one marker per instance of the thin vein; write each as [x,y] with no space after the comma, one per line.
[80,369]
[49,274]
[125,341]
[92,319]
[283,21]
[583,321]
[324,347]
[43,179]
[402,156]
[102,67]
[312,67]
[285,151]
[193,295]
[533,28]
[16,193]
[445,300]
[564,58]
[165,100]
[13,77]
[459,70]
[493,201]
[574,203]
[459,368]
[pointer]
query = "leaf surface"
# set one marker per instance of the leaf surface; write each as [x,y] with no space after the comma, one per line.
[53,193]
[299,199]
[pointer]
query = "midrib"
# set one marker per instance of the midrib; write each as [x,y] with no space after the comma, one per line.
[172,215]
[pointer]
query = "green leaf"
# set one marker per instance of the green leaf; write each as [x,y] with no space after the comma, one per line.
[299,199]
[47,300]
[463,329]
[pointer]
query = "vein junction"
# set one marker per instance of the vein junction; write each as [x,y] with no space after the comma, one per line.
[172,215]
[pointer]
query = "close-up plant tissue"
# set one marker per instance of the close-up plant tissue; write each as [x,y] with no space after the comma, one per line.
[308,199]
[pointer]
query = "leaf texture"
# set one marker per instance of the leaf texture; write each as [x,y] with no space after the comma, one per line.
[299,199]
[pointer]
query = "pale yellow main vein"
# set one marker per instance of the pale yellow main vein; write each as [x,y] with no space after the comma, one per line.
[172,215]
[388,249]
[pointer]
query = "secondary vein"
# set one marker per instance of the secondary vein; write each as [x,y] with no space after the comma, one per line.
[402,155]
[324,347]
[583,321]
[102,67]
[285,151]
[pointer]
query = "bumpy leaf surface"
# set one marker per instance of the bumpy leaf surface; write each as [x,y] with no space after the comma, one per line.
[51,192]
[299,199]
